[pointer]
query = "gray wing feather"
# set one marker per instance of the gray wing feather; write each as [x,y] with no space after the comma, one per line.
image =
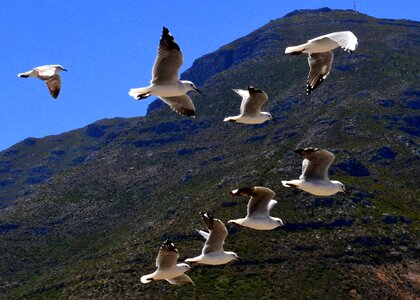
[168,60]
[317,165]
[319,68]
[183,105]
[167,257]
[218,234]
[183,279]
[260,199]
[54,85]
[252,105]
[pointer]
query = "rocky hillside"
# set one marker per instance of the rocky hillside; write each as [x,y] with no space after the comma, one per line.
[85,212]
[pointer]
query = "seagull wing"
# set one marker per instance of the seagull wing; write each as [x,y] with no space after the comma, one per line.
[168,60]
[245,96]
[54,85]
[218,234]
[183,105]
[252,100]
[167,257]
[319,68]
[183,279]
[316,163]
[258,204]
[344,39]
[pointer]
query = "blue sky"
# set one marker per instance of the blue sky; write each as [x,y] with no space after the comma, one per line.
[109,47]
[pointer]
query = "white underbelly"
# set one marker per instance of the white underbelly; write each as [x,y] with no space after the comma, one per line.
[167,90]
[318,188]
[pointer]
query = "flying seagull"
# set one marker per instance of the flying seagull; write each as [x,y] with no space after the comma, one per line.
[49,74]
[320,55]
[165,83]
[167,268]
[213,253]
[314,178]
[259,206]
[252,101]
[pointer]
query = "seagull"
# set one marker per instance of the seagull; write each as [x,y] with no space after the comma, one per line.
[167,268]
[165,83]
[314,178]
[213,253]
[49,74]
[259,206]
[320,55]
[252,101]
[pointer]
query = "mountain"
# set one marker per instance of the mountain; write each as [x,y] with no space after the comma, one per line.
[85,212]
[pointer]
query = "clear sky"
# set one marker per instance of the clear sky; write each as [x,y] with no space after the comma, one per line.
[109,47]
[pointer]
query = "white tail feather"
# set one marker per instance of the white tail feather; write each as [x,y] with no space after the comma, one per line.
[285,183]
[295,49]
[194,259]
[146,278]
[138,91]
[237,221]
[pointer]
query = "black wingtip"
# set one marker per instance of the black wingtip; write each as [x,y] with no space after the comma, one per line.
[168,245]
[254,89]
[302,150]
[206,215]
[168,40]
[248,191]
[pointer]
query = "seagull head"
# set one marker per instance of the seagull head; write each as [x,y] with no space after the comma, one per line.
[190,86]
[233,256]
[279,222]
[340,187]
[184,266]
[268,116]
[59,68]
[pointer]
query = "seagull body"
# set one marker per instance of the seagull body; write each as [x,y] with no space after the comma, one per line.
[213,253]
[49,74]
[167,268]
[314,178]
[259,206]
[165,83]
[320,55]
[252,101]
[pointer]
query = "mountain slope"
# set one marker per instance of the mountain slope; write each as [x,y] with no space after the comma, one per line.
[92,226]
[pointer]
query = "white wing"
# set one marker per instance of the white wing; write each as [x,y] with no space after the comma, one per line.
[345,39]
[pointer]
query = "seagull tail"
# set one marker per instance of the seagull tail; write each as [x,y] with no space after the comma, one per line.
[140,93]
[236,222]
[193,260]
[295,50]
[146,279]
[289,184]
[230,119]
[25,75]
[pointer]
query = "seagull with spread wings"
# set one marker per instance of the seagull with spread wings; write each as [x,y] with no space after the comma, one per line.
[314,178]
[320,56]
[167,267]
[213,253]
[252,101]
[165,82]
[49,74]
[259,206]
